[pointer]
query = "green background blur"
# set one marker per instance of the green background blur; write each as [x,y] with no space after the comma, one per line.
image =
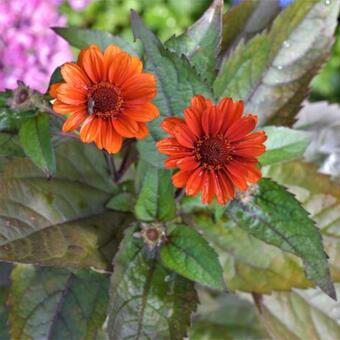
[168,17]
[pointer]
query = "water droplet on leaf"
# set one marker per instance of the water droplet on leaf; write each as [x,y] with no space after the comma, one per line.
[286,43]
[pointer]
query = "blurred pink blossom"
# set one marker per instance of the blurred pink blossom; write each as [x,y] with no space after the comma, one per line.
[79,5]
[29,49]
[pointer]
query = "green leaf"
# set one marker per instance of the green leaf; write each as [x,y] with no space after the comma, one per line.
[35,139]
[156,199]
[248,263]
[5,281]
[146,300]
[148,151]
[62,221]
[82,38]
[301,314]
[177,80]
[9,145]
[320,197]
[7,120]
[243,21]
[4,96]
[272,71]
[177,83]
[273,215]
[89,242]
[284,144]
[124,201]
[201,42]
[189,254]
[49,303]
[56,77]
[226,317]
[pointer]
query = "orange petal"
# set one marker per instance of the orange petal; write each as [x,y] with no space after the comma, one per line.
[227,185]
[74,121]
[134,67]
[221,193]
[140,86]
[237,175]
[125,126]
[170,146]
[249,168]
[69,94]
[171,162]
[180,178]
[208,118]
[142,132]
[74,75]
[193,120]
[200,103]
[89,130]
[257,137]
[208,190]
[230,111]
[123,68]
[53,90]
[184,136]
[194,183]
[101,128]
[142,113]
[92,62]
[169,124]
[187,163]
[62,108]
[242,127]
[109,58]
[117,70]
[249,151]
[112,141]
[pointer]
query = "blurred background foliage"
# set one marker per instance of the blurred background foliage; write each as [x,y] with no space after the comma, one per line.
[164,17]
[168,17]
[326,86]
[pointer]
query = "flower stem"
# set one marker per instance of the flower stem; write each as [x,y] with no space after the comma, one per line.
[111,166]
[68,135]
[130,156]
[46,107]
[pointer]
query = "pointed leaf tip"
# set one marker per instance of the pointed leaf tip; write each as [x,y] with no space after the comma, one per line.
[275,216]
[190,255]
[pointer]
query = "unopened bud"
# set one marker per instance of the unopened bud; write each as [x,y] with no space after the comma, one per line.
[23,98]
[153,234]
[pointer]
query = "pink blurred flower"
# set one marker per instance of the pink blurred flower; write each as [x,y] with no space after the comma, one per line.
[79,5]
[29,49]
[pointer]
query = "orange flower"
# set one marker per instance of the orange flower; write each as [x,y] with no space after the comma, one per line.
[108,94]
[214,148]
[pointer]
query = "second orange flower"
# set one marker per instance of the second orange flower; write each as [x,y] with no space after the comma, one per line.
[214,147]
[108,95]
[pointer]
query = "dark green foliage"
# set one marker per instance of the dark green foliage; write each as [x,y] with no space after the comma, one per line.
[273,215]
[146,300]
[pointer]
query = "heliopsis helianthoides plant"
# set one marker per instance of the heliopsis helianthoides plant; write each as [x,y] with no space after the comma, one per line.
[158,190]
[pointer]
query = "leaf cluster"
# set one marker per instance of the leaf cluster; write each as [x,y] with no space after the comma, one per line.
[82,242]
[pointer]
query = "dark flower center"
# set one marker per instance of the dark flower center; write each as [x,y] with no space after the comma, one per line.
[152,234]
[104,100]
[213,152]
